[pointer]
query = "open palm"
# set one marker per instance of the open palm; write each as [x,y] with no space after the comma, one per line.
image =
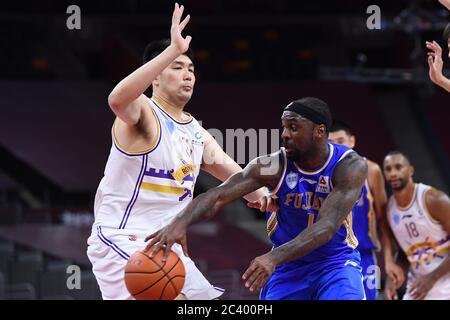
[177,40]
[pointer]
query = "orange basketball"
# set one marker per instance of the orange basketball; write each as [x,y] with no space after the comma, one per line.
[150,279]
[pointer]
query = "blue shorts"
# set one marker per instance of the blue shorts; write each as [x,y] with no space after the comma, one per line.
[342,281]
[368,262]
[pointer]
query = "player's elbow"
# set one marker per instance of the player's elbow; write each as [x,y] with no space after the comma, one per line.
[114,101]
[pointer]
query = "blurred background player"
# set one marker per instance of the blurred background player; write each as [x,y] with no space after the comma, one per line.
[316,184]
[369,207]
[153,164]
[419,216]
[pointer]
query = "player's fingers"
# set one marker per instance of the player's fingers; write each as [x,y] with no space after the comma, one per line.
[272,206]
[438,47]
[184,22]
[254,205]
[249,271]
[152,242]
[252,278]
[184,246]
[259,283]
[156,249]
[430,61]
[167,249]
[175,10]
[153,235]
[263,206]
[179,14]
[393,277]
[188,40]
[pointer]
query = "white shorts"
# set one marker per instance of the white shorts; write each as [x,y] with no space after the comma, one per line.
[109,250]
[440,290]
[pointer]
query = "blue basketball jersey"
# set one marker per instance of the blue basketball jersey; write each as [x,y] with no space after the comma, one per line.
[364,221]
[300,194]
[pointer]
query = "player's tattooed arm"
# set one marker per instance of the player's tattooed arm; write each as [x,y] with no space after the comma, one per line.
[263,171]
[348,180]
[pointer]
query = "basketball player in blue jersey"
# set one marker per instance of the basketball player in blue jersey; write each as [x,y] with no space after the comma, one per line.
[369,207]
[317,184]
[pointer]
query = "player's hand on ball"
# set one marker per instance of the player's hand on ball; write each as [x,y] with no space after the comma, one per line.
[260,269]
[163,239]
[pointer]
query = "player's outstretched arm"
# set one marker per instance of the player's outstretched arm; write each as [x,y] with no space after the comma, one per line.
[127,98]
[436,64]
[438,204]
[348,180]
[219,164]
[445,3]
[262,171]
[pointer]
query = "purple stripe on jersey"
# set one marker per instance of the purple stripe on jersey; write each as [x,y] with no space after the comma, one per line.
[137,193]
[112,245]
[134,196]
[162,174]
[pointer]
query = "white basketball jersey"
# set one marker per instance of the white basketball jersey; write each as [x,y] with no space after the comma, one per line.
[145,190]
[423,239]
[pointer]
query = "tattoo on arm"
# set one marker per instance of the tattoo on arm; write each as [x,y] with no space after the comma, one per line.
[248,180]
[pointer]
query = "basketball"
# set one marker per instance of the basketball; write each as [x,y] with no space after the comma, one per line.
[150,279]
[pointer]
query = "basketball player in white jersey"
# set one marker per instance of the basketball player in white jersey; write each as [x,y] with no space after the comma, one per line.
[419,216]
[157,152]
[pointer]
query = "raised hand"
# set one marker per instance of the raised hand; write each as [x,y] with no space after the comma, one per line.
[435,62]
[176,39]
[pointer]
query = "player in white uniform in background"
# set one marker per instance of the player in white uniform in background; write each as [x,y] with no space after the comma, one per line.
[419,217]
[153,165]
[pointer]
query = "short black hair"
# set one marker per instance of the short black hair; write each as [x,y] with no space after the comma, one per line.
[320,107]
[447,33]
[339,125]
[154,48]
[399,153]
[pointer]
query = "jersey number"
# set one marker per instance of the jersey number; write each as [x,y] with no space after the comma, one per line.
[412,230]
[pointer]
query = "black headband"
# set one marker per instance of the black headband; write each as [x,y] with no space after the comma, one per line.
[309,114]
